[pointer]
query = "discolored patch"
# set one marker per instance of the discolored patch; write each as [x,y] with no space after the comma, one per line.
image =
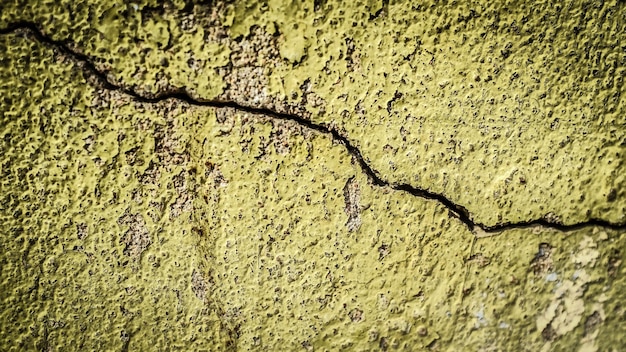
[352,197]
[542,262]
[137,237]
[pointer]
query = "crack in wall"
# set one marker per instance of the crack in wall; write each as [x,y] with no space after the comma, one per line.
[456,210]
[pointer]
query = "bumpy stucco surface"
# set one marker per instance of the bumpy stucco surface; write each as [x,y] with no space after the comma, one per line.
[295,176]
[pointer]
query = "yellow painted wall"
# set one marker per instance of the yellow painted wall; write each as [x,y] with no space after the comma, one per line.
[323,176]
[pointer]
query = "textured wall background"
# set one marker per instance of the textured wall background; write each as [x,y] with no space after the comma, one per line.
[312,175]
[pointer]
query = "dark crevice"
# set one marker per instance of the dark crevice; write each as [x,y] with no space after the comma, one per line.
[456,210]
[383,9]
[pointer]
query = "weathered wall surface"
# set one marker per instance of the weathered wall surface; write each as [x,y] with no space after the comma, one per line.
[312,176]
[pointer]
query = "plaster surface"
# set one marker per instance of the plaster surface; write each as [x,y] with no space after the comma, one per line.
[317,176]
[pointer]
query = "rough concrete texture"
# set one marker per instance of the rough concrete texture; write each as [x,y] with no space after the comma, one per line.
[312,176]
